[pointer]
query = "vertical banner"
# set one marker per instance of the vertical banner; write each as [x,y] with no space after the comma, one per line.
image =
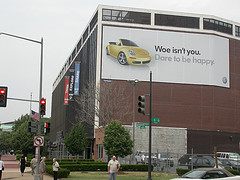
[66,92]
[77,74]
[71,84]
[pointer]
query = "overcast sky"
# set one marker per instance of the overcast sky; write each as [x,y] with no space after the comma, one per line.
[60,23]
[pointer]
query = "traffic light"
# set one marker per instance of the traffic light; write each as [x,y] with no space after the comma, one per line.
[43,106]
[141,104]
[46,127]
[32,127]
[3,96]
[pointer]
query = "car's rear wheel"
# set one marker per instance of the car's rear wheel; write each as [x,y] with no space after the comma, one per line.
[122,58]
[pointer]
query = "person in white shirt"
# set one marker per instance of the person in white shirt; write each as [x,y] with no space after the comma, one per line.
[113,168]
[56,167]
[1,167]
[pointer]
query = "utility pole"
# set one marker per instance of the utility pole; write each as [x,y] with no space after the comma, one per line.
[150,131]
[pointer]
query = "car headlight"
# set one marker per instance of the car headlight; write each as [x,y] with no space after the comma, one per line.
[132,52]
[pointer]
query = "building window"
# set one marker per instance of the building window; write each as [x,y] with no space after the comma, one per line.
[94,21]
[176,21]
[85,35]
[100,151]
[237,31]
[220,26]
[126,16]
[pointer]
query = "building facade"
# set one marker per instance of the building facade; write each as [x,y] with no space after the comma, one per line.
[194,60]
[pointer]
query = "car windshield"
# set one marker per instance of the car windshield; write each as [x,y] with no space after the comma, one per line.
[196,174]
[126,42]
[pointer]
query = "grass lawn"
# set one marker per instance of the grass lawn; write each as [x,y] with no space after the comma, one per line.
[121,176]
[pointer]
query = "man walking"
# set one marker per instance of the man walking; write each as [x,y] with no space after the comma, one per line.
[56,167]
[42,168]
[113,168]
[33,165]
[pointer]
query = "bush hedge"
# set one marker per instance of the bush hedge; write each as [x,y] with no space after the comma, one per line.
[103,167]
[234,172]
[181,172]
[62,173]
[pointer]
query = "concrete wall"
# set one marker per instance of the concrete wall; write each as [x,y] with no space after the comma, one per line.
[164,139]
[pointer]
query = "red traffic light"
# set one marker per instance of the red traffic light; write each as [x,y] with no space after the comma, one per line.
[2,91]
[46,125]
[43,101]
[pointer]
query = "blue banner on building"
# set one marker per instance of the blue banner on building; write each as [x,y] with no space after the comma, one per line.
[77,77]
[71,84]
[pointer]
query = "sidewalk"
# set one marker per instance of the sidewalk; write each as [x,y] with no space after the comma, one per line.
[14,174]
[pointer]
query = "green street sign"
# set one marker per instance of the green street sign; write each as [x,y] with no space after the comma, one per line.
[142,124]
[142,127]
[155,120]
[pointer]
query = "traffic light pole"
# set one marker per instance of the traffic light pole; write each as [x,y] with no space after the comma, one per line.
[150,131]
[37,176]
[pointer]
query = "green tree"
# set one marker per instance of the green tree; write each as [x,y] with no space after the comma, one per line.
[76,140]
[117,140]
[5,139]
[21,138]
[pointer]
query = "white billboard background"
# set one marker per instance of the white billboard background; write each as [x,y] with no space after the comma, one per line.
[176,57]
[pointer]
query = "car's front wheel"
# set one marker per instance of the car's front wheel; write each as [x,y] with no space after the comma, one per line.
[107,51]
[122,58]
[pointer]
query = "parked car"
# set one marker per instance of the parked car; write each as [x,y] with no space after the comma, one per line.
[166,159]
[207,173]
[185,160]
[230,164]
[203,161]
[228,155]
[139,157]
[145,158]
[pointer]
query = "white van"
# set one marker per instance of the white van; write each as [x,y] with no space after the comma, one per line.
[228,155]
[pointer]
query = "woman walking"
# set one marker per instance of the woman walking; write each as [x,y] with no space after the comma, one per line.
[22,165]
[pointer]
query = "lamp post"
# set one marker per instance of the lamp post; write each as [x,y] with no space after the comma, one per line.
[37,176]
[134,83]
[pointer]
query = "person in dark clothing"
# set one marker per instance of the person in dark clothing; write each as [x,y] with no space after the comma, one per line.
[22,164]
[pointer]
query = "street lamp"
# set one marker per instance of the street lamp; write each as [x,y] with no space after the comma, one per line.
[37,176]
[134,83]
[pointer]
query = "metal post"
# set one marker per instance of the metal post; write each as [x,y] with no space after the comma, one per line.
[150,131]
[134,83]
[133,158]
[37,176]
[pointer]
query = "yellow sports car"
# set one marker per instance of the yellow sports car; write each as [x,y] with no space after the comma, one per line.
[127,52]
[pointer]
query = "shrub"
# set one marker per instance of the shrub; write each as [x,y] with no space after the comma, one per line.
[103,167]
[234,172]
[136,167]
[181,172]
[62,173]
[85,167]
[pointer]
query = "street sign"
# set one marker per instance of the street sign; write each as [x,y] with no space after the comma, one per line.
[155,120]
[142,124]
[38,140]
[142,127]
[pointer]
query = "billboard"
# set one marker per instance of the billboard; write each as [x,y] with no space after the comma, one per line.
[173,57]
